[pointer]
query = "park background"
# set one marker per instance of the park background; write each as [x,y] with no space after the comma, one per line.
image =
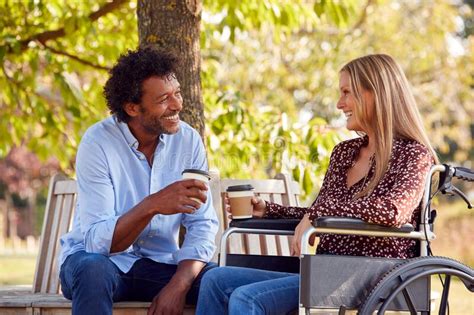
[260,83]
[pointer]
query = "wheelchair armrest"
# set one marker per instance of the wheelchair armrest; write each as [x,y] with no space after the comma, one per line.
[357,224]
[266,224]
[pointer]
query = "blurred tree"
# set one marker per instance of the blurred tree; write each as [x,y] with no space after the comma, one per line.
[22,180]
[468,18]
[269,72]
[54,57]
[299,73]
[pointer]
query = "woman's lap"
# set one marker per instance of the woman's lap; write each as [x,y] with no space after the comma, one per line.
[274,296]
[238,276]
[252,291]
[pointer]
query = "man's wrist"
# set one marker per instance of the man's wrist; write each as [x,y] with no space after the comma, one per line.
[150,206]
[180,284]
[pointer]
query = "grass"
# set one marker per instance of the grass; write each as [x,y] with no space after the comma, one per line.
[461,301]
[17,269]
[454,229]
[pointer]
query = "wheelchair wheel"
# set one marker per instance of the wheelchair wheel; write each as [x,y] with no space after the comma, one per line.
[397,280]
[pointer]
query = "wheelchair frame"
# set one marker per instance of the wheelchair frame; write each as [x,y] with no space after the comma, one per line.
[400,283]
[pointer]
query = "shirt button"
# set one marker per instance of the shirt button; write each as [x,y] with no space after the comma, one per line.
[141,242]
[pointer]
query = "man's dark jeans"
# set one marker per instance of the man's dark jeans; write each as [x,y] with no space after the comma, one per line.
[93,282]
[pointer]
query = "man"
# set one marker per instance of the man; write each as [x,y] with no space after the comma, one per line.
[131,199]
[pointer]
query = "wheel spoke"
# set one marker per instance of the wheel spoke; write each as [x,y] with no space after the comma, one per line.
[409,301]
[444,296]
[389,287]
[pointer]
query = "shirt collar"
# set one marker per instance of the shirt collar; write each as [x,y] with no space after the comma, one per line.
[358,144]
[163,138]
[130,138]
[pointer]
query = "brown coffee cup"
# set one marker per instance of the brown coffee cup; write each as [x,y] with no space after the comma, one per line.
[196,174]
[240,200]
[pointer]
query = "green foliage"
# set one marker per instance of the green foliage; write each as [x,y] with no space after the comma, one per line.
[285,16]
[54,81]
[52,88]
[269,73]
[299,73]
[250,141]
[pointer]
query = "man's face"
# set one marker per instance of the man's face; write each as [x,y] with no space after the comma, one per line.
[161,104]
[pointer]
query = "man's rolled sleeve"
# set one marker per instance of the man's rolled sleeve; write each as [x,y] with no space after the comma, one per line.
[201,228]
[95,198]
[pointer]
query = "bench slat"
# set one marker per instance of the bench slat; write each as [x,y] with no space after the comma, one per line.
[65,187]
[273,241]
[45,239]
[51,252]
[252,244]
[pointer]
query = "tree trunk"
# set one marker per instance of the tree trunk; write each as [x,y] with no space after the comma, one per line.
[175,25]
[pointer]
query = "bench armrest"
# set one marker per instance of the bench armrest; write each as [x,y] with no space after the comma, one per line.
[266,224]
[357,224]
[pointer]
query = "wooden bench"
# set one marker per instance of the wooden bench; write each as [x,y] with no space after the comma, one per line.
[45,297]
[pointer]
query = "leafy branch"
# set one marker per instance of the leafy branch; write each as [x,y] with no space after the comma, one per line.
[76,58]
[61,32]
[19,86]
[362,17]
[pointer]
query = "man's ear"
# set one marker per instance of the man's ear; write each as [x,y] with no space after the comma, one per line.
[132,109]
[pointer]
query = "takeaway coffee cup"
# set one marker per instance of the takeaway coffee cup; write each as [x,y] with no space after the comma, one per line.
[196,174]
[240,200]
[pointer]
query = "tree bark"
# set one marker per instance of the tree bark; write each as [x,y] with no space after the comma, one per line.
[175,25]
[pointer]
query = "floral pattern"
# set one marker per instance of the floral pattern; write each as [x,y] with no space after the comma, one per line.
[396,200]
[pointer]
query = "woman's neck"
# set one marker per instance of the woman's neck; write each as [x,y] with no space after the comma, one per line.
[367,151]
[371,144]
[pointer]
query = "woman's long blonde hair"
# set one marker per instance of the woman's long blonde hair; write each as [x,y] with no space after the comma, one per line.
[395,113]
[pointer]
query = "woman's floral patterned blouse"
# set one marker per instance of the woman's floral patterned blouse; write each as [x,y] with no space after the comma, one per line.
[396,200]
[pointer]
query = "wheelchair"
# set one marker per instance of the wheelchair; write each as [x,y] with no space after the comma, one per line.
[364,284]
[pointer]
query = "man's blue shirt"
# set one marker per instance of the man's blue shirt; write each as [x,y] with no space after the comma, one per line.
[113,176]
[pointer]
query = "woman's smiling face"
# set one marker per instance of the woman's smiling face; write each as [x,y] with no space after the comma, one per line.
[347,103]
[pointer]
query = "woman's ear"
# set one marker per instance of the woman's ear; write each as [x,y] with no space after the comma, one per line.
[132,109]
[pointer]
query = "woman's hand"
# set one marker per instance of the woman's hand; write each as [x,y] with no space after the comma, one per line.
[259,207]
[304,224]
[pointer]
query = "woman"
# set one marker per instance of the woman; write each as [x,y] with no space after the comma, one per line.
[378,177]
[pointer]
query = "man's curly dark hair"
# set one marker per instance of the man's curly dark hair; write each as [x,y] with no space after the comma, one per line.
[126,77]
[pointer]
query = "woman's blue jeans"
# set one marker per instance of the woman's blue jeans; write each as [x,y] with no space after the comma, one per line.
[234,290]
[93,282]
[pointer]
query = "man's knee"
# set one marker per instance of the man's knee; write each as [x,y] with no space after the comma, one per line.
[94,268]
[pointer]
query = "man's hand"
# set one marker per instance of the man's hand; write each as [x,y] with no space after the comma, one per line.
[304,224]
[172,297]
[177,197]
[174,198]
[170,301]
